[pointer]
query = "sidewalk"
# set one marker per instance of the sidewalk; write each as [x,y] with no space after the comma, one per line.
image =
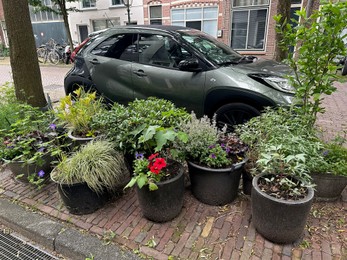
[199,232]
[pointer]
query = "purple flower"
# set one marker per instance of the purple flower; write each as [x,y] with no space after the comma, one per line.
[41,173]
[222,145]
[138,155]
[10,147]
[52,127]
[325,153]
[41,150]
[213,156]
[211,146]
[227,150]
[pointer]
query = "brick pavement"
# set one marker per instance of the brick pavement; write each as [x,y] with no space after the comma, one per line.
[202,231]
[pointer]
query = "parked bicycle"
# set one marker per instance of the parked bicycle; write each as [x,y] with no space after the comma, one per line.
[51,51]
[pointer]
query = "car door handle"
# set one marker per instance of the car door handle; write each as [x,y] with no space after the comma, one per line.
[140,73]
[94,61]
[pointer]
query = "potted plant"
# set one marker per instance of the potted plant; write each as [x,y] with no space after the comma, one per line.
[29,145]
[125,125]
[215,160]
[160,186]
[159,177]
[329,173]
[76,113]
[90,176]
[281,196]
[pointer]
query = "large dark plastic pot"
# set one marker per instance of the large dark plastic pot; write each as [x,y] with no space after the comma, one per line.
[79,199]
[21,170]
[165,203]
[329,187]
[215,186]
[277,220]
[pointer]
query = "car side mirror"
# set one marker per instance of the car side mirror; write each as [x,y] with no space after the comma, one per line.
[191,64]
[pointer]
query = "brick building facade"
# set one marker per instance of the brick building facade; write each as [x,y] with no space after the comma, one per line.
[245,25]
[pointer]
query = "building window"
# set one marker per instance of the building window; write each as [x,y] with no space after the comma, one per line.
[155,14]
[88,3]
[117,2]
[105,23]
[238,3]
[204,19]
[249,24]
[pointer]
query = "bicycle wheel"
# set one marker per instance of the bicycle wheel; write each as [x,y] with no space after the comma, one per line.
[41,55]
[54,57]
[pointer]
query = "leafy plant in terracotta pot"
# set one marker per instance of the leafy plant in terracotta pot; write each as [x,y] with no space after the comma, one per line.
[215,160]
[90,176]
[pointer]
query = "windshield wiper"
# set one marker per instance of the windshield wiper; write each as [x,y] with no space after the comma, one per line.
[246,59]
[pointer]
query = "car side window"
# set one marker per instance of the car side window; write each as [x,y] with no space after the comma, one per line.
[119,46]
[160,50]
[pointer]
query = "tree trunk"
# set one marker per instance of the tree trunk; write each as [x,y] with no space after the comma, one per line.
[283,8]
[62,6]
[25,68]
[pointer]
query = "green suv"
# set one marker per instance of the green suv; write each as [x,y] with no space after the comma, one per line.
[180,64]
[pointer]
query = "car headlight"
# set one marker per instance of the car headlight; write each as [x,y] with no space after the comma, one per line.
[276,82]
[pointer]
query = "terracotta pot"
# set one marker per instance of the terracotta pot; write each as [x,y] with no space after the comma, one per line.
[279,220]
[215,186]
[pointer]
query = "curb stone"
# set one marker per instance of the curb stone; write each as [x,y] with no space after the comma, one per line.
[54,235]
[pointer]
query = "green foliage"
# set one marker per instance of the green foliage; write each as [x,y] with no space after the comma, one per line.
[97,163]
[78,111]
[208,146]
[149,171]
[145,125]
[318,41]
[334,160]
[282,143]
[41,6]
[10,109]
[30,137]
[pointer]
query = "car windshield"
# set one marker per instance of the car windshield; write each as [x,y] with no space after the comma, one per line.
[212,49]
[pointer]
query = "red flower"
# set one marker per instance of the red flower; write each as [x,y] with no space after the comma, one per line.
[160,163]
[154,169]
[153,156]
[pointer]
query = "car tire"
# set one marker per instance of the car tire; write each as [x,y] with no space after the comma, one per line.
[234,114]
[344,68]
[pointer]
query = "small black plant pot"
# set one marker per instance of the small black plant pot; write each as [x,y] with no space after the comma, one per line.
[79,199]
[165,203]
[215,186]
[247,179]
[279,220]
[21,170]
[329,187]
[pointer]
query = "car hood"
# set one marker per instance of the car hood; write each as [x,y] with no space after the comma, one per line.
[263,66]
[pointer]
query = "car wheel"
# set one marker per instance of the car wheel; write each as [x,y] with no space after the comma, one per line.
[234,114]
[344,68]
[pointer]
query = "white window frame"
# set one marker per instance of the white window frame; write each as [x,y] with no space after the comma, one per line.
[201,19]
[149,13]
[90,7]
[120,4]
[250,8]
